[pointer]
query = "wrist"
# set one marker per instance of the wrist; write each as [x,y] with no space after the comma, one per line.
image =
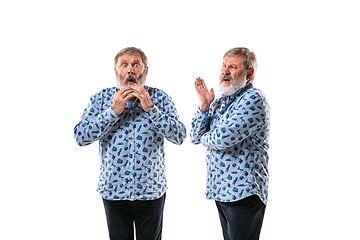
[204,108]
[151,108]
[116,111]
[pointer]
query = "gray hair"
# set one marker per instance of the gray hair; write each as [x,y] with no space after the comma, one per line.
[249,58]
[131,51]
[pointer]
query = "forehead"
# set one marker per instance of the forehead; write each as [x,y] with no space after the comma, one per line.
[136,57]
[237,60]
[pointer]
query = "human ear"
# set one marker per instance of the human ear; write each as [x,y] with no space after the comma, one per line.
[249,74]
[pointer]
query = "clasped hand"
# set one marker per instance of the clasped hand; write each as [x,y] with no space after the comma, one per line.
[129,93]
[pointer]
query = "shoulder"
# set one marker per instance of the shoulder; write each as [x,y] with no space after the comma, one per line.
[252,100]
[156,92]
[102,96]
[254,95]
[106,92]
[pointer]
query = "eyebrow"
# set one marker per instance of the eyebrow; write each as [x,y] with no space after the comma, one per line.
[231,64]
[134,61]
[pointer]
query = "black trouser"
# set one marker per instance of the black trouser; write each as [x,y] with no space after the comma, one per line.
[241,220]
[146,215]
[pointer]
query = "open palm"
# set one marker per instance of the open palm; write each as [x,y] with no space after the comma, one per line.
[205,96]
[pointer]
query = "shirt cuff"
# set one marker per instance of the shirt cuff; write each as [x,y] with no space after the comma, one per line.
[110,115]
[154,113]
[200,115]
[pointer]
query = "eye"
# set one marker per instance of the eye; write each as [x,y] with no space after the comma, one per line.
[123,65]
[136,65]
[233,67]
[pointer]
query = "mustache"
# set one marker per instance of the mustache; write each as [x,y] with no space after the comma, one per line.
[222,77]
[131,77]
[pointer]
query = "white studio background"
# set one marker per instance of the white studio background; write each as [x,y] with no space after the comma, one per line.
[56,54]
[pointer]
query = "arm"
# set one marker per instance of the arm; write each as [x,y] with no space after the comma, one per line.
[94,124]
[200,124]
[166,121]
[201,120]
[248,115]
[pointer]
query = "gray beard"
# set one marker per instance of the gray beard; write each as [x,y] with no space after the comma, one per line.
[235,86]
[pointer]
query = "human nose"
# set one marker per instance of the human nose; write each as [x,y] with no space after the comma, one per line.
[130,70]
[225,71]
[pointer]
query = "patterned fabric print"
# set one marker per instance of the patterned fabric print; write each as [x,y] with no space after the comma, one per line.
[236,136]
[131,144]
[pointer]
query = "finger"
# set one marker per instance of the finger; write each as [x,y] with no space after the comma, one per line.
[138,95]
[127,97]
[126,93]
[202,84]
[199,82]
[138,88]
[123,89]
[121,96]
[140,92]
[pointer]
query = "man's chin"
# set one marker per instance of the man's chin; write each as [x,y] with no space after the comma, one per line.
[226,84]
[226,90]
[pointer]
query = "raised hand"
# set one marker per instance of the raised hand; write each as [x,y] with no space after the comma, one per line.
[205,97]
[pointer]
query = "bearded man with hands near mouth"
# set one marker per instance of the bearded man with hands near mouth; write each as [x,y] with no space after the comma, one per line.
[235,131]
[130,122]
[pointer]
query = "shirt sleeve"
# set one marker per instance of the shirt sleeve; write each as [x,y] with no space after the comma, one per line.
[166,121]
[200,124]
[248,115]
[94,124]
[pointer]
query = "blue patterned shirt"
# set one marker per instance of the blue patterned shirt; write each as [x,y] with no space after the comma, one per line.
[235,132]
[131,144]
